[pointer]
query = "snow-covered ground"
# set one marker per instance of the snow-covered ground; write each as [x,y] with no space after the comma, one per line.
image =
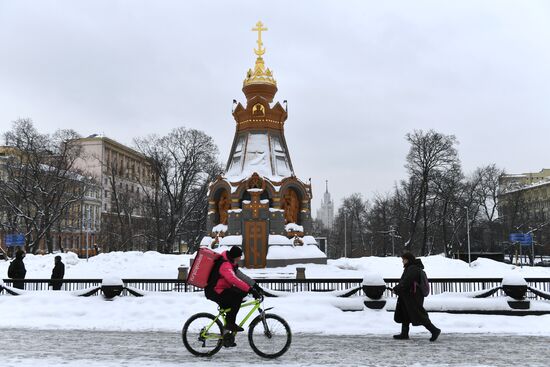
[152,265]
[306,312]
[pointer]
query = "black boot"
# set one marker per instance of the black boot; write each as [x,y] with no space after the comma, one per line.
[434,330]
[229,340]
[404,332]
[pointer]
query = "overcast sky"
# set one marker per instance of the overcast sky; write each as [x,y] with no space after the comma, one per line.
[358,76]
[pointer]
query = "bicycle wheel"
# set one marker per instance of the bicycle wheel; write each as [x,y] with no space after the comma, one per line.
[197,339]
[269,340]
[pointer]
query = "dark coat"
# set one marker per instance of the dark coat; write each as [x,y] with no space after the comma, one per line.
[410,306]
[58,273]
[18,272]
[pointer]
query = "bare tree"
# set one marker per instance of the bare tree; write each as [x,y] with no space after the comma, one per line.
[185,162]
[121,227]
[430,153]
[350,229]
[42,183]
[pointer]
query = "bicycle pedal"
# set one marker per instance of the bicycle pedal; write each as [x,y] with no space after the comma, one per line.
[229,341]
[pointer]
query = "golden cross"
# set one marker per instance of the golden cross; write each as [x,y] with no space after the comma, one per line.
[259,28]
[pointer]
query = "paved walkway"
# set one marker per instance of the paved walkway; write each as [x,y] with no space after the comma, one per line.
[24,348]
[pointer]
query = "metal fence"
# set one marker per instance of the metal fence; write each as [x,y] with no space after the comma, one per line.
[437,285]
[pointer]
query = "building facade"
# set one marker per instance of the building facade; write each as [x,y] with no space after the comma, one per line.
[524,204]
[124,176]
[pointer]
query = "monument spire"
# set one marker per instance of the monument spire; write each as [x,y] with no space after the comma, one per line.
[260,74]
[258,198]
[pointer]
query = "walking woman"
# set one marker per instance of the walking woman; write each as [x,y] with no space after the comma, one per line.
[410,301]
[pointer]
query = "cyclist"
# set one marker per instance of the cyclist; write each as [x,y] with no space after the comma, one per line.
[232,286]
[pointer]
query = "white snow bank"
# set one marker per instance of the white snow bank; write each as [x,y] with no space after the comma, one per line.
[112,281]
[513,279]
[206,241]
[219,228]
[293,227]
[231,241]
[151,264]
[294,252]
[168,311]
[309,240]
[277,239]
[373,279]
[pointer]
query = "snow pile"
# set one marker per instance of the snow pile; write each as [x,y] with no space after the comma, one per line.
[294,252]
[153,265]
[373,279]
[231,241]
[514,279]
[309,240]
[112,281]
[219,228]
[276,239]
[206,241]
[293,227]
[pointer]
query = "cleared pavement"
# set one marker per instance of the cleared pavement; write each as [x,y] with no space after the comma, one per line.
[23,348]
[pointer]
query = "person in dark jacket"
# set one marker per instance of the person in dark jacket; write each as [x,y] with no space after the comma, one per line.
[410,304]
[58,273]
[17,271]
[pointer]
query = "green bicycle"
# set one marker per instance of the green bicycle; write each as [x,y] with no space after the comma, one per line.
[268,334]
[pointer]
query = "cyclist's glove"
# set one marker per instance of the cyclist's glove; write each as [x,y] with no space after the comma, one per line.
[258,288]
[256,293]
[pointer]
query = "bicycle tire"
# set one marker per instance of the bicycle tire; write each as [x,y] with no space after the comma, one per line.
[273,344]
[190,335]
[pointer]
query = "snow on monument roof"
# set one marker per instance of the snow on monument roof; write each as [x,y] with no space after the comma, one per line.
[261,153]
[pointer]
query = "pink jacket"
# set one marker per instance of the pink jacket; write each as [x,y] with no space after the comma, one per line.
[228,278]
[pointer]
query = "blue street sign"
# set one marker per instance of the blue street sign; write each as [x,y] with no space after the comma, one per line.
[525,239]
[13,240]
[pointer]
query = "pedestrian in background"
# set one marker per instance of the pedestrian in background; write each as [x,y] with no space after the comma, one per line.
[410,301]
[17,271]
[58,273]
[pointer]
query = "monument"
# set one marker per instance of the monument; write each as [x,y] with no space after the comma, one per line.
[259,203]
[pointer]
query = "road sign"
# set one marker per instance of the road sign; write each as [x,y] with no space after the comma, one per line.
[524,239]
[13,240]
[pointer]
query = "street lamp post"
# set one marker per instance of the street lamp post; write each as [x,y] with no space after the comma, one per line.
[392,234]
[468,234]
[345,237]
[88,225]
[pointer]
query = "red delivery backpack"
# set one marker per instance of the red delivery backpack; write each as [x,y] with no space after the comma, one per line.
[202,267]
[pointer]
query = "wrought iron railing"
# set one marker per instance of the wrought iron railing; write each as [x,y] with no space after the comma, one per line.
[437,285]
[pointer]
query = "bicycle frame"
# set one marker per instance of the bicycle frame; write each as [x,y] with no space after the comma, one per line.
[256,303]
